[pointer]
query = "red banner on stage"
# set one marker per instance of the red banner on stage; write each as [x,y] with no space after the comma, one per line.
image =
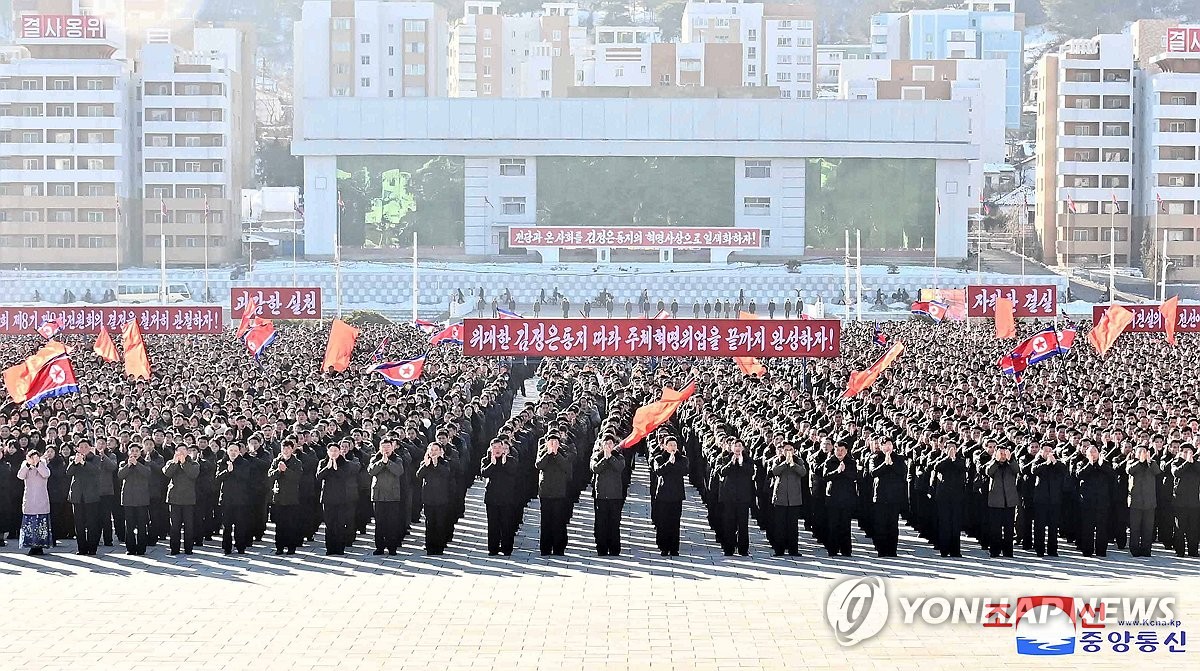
[1147,318]
[1029,300]
[630,236]
[278,302]
[152,319]
[652,337]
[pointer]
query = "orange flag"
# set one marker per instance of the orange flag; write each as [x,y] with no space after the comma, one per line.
[1170,315]
[750,365]
[341,344]
[18,378]
[650,417]
[861,379]
[104,347]
[247,317]
[747,315]
[1006,327]
[137,363]
[1105,332]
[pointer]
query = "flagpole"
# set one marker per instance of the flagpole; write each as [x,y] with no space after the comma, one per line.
[1165,260]
[1112,253]
[1158,211]
[206,249]
[295,226]
[937,220]
[162,254]
[414,276]
[858,274]
[846,268]
[337,262]
[117,263]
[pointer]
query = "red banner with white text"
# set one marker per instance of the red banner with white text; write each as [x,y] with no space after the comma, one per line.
[1029,300]
[1147,318]
[278,302]
[652,337]
[632,236]
[152,319]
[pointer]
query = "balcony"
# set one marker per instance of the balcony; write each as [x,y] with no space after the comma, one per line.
[187,127]
[73,97]
[1093,247]
[185,101]
[1092,114]
[1067,142]
[43,202]
[21,175]
[191,255]
[1070,88]
[18,123]
[59,257]
[63,149]
[185,153]
[1176,111]
[1181,247]
[57,227]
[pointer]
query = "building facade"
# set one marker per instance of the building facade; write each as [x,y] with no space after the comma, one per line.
[829,66]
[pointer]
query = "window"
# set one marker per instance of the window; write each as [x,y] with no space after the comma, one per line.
[62,110]
[191,141]
[1081,130]
[94,110]
[619,71]
[365,60]
[1179,100]
[783,60]
[784,25]
[512,167]
[29,216]
[556,35]
[32,164]
[191,166]
[643,69]
[784,93]
[95,217]
[62,136]
[487,88]
[664,80]
[95,164]
[487,33]
[512,205]
[341,46]
[94,85]
[487,52]
[62,241]
[192,192]
[364,38]
[415,48]
[341,91]
[756,206]
[158,115]
[33,242]
[546,75]
[783,42]
[62,190]
[341,69]
[785,77]
[414,26]
[1176,126]
[95,190]
[751,52]
[341,24]
[758,169]
[922,73]
[912,93]
[391,51]
[160,141]
[487,71]
[416,69]
[160,166]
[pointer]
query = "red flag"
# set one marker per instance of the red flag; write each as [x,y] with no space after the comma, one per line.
[1006,326]
[1105,332]
[104,347]
[341,344]
[247,316]
[56,378]
[861,379]
[750,365]
[1170,314]
[1071,205]
[451,334]
[18,378]
[260,334]
[650,417]
[137,363]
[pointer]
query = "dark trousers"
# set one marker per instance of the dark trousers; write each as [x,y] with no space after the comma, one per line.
[1045,530]
[1187,530]
[87,526]
[1093,530]
[183,523]
[838,538]
[160,521]
[388,525]
[737,527]
[786,534]
[112,514]
[886,528]
[439,520]
[288,531]
[607,528]
[339,526]
[62,523]
[1025,525]
[501,528]
[235,528]
[1000,531]
[1141,531]
[949,528]
[137,526]
[667,525]
[206,512]
[554,516]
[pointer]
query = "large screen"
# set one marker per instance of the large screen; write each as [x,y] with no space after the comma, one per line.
[635,191]
[386,198]
[892,201]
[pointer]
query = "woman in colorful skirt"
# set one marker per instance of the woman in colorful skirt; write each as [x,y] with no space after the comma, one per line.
[35,506]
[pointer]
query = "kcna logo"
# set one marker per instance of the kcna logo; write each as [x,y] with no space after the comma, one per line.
[858,608]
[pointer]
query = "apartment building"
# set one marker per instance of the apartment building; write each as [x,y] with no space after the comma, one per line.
[979,83]
[527,56]
[196,116]
[65,139]
[778,42]
[370,49]
[829,66]
[975,31]
[1085,150]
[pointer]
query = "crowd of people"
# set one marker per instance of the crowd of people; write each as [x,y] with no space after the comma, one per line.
[216,448]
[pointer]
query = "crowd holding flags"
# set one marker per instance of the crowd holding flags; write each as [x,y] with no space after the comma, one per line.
[104,347]
[651,416]
[1105,332]
[861,379]
[880,338]
[137,362]
[935,310]
[451,334]
[399,373]
[49,329]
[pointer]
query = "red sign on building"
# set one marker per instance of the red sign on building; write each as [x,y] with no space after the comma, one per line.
[152,319]
[61,27]
[1030,300]
[1147,318]
[652,337]
[634,237]
[1183,40]
[277,302]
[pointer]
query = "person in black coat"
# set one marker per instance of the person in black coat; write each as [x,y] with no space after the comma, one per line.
[840,474]
[889,476]
[338,479]
[500,498]
[949,485]
[84,495]
[62,526]
[436,478]
[736,493]
[670,468]
[787,475]
[285,475]
[1143,472]
[1049,482]
[554,467]
[1187,503]
[134,477]
[389,493]
[608,495]
[233,482]
[1095,479]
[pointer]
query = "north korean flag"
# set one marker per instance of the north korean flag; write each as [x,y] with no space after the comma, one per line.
[1041,346]
[426,326]
[398,373]
[450,334]
[920,308]
[937,310]
[880,338]
[49,328]
[508,314]
[260,334]
[55,378]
